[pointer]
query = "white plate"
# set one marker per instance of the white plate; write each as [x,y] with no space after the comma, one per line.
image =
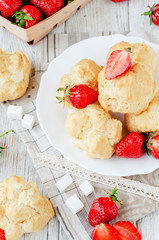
[52,116]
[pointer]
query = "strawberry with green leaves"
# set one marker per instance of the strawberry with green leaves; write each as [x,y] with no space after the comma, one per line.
[153,146]
[153,14]
[27,17]
[79,95]
[103,209]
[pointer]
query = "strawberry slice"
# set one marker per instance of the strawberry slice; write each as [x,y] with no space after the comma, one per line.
[104,232]
[119,62]
[126,231]
[153,146]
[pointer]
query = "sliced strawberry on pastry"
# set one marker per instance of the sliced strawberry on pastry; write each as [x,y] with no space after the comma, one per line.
[119,62]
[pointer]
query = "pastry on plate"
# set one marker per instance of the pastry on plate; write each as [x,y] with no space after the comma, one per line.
[84,72]
[14,75]
[147,121]
[139,53]
[22,208]
[128,93]
[94,131]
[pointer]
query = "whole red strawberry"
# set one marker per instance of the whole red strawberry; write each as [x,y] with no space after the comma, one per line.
[27,17]
[79,96]
[48,7]
[119,62]
[116,1]
[153,13]
[104,231]
[103,209]
[131,146]
[9,7]
[153,146]
[2,234]
[126,231]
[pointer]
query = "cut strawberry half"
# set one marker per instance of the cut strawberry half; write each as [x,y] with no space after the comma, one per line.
[153,146]
[119,62]
[104,231]
[127,231]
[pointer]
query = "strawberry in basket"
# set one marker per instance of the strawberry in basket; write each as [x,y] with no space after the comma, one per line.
[9,7]
[27,17]
[48,7]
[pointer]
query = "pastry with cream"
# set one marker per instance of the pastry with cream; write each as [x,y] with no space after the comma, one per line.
[147,121]
[132,91]
[84,72]
[94,131]
[139,53]
[14,75]
[22,208]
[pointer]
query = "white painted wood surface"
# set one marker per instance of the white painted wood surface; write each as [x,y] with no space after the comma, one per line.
[99,16]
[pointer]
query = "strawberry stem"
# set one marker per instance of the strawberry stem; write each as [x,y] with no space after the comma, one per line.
[66,93]
[19,18]
[3,134]
[113,196]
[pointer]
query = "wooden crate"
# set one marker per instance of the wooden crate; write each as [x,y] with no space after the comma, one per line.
[34,34]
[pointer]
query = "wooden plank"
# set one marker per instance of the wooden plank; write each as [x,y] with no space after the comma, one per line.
[100,16]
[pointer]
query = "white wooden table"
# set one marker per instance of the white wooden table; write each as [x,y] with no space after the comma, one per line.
[98,16]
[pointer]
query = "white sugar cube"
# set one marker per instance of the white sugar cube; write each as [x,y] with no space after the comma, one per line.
[28,121]
[74,204]
[86,187]
[64,182]
[15,112]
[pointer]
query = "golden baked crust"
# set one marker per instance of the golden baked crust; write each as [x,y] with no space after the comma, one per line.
[94,130]
[132,91]
[139,53]
[22,208]
[14,75]
[147,121]
[128,93]
[84,72]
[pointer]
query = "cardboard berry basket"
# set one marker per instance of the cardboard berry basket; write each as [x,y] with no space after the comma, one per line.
[37,32]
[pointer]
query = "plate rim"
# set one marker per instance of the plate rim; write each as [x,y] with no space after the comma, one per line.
[43,77]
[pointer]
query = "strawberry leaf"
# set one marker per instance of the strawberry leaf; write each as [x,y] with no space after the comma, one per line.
[114,191]
[3,134]
[70,1]
[61,89]
[19,18]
